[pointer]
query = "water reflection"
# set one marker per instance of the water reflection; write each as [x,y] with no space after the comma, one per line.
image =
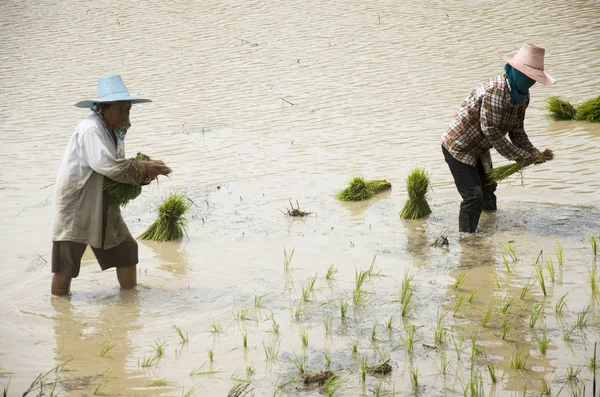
[171,256]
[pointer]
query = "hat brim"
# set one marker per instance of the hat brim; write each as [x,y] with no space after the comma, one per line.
[111,98]
[538,75]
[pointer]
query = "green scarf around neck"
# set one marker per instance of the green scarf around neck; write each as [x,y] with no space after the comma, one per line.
[519,84]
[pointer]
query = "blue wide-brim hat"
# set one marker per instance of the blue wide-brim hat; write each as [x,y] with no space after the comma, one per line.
[111,89]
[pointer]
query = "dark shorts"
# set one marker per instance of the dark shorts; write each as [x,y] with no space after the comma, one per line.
[66,256]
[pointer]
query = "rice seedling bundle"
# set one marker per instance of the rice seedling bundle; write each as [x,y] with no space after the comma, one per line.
[417,185]
[171,223]
[589,111]
[122,193]
[560,109]
[499,174]
[360,190]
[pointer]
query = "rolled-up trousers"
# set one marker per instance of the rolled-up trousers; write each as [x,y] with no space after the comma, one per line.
[475,189]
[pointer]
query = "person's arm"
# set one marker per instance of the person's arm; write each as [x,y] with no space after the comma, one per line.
[491,119]
[94,152]
[519,137]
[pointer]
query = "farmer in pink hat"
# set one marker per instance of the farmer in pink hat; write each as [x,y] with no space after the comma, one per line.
[82,216]
[494,110]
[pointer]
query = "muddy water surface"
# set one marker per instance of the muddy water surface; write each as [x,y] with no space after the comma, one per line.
[256,103]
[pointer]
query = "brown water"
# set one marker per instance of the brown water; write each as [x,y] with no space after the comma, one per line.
[272,101]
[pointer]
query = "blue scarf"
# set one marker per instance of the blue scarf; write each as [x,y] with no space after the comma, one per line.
[519,84]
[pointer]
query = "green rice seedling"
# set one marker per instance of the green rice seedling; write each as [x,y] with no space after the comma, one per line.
[99,390]
[458,303]
[559,109]
[299,364]
[331,271]
[474,387]
[156,383]
[511,252]
[372,272]
[494,280]
[250,371]
[518,361]
[378,391]
[343,308]
[498,174]
[304,337]
[199,371]
[568,335]
[505,304]
[488,315]
[592,364]
[271,352]
[106,348]
[417,186]
[311,282]
[359,190]
[406,287]
[189,393]
[258,300]
[492,371]
[550,268]
[327,357]
[458,345]
[573,374]
[216,328]
[594,245]
[328,323]
[526,288]
[306,291]
[171,223]
[147,361]
[409,340]
[407,308]
[546,390]
[363,369]
[439,336]
[582,318]
[243,314]
[159,349]
[544,342]
[445,365]
[471,296]
[540,276]
[274,325]
[358,292]
[476,347]
[506,264]
[389,323]
[374,334]
[287,259]
[459,281]
[354,345]
[332,385]
[561,304]
[298,311]
[506,327]
[536,313]
[589,111]
[558,251]
[245,340]
[594,283]
[182,335]
[211,355]
[414,378]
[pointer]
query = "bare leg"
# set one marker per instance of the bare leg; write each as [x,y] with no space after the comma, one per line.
[61,285]
[127,276]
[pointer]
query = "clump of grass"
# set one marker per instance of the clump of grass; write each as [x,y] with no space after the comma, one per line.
[417,185]
[359,190]
[558,250]
[560,109]
[536,313]
[331,271]
[216,328]
[406,287]
[471,296]
[106,348]
[445,365]
[182,335]
[550,268]
[245,340]
[299,364]
[594,283]
[544,342]
[546,389]
[594,245]
[458,304]
[492,371]
[358,292]
[414,378]
[159,349]
[540,276]
[304,337]
[363,369]
[274,325]
[498,174]
[332,385]
[156,383]
[295,211]
[589,111]
[459,281]
[241,388]
[440,329]
[407,307]
[258,300]
[560,305]
[271,352]
[526,288]
[488,315]
[409,340]
[287,259]
[506,326]
[505,304]
[211,354]
[582,319]
[343,308]
[518,361]
[171,223]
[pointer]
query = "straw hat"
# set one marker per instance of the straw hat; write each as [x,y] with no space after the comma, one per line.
[529,60]
[110,89]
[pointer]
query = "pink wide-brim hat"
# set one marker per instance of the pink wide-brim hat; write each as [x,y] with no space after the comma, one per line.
[529,60]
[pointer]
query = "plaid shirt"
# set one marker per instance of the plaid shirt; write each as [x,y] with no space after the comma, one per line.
[483,121]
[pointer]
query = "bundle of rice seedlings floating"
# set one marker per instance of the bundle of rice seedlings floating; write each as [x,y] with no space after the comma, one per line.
[560,109]
[499,174]
[171,223]
[360,190]
[122,193]
[417,185]
[589,111]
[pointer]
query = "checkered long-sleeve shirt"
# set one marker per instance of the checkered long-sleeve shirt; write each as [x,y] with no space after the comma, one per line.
[483,121]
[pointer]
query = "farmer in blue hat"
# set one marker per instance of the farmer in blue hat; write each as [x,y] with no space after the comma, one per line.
[82,216]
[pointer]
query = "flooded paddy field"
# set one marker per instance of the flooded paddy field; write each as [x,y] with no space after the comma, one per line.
[259,103]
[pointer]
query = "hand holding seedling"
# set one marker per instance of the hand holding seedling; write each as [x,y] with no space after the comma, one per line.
[154,168]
